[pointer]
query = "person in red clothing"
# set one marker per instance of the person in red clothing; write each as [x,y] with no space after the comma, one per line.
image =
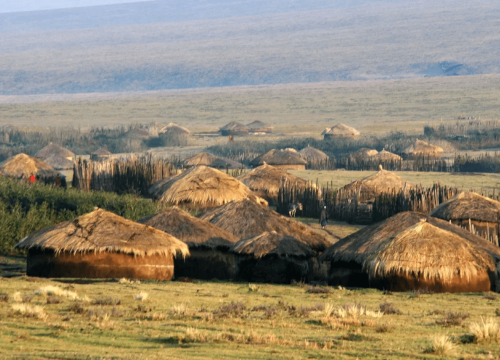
[32,178]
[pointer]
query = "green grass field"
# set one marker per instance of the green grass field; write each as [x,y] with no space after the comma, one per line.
[104,320]
[468,181]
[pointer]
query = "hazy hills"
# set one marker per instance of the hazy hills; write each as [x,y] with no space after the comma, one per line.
[169,45]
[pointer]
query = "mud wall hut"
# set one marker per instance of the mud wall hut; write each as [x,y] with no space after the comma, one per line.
[209,245]
[412,251]
[102,245]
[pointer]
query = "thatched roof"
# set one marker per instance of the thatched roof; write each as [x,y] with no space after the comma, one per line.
[313,155]
[245,219]
[364,152]
[59,163]
[268,178]
[341,130]
[203,186]
[468,205]
[382,181]
[421,148]
[54,150]
[194,232]
[257,125]
[137,133]
[102,151]
[234,126]
[22,165]
[279,157]
[272,243]
[386,156]
[413,243]
[102,231]
[174,129]
[207,159]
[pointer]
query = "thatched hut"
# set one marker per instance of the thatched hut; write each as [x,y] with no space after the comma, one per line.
[259,127]
[478,214]
[22,166]
[202,187]
[422,149]
[174,129]
[245,219]
[207,244]
[53,150]
[340,131]
[266,181]
[363,154]
[386,156]
[369,188]
[234,128]
[271,257]
[207,159]
[101,154]
[287,159]
[102,245]
[313,156]
[412,251]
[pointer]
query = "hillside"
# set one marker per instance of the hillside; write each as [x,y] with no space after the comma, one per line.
[149,46]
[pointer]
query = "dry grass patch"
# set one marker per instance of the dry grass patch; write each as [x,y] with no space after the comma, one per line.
[57,291]
[440,345]
[142,296]
[27,310]
[485,330]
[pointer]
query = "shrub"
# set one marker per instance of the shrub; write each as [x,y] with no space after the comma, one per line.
[4,297]
[440,345]
[388,308]
[29,311]
[106,301]
[230,310]
[452,319]
[317,290]
[53,300]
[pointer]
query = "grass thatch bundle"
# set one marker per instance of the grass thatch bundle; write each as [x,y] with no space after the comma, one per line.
[202,186]
[284,157]
[54,150]
[195,232]
[22,166]
[386,156]
[102,231]
[245,219]
[381,182]
[341,131]
[468,205]
[421,148]
[272,243]
[414,244]
[269,179]
[313,155]
[174,129]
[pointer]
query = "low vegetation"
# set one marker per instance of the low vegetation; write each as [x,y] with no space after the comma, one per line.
[193,319]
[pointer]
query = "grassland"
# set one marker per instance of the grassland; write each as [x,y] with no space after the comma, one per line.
[301,110]
[104,319]
[468,181]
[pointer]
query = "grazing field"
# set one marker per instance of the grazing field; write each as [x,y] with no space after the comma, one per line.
[78,319]
[302,110]
[475,181]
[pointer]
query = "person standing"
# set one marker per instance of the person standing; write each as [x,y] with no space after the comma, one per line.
[323,219]
[32,178]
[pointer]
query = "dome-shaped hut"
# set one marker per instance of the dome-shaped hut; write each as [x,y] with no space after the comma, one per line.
[340,131]
[102,245]
[314,156]
[202,187]
[273,258]
[101,154]
[386,156]
[287,159]
[266,181]
[174,129]
[234,128]
[363,154]
[207,244]
[422,149]
[478,214]
[412,251]
[56,156]
[22,166]
[207,159]
[259,127]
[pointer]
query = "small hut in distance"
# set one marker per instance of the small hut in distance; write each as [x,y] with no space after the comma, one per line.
[478,214]
[208,244]
[422,149]
[386,156]
[258,127]
[272,258]
[286,159]
[340,131]
[210,160]
[57,157]
[22,166]
[313,156]
[101,154]
[102,245]
[234,128]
